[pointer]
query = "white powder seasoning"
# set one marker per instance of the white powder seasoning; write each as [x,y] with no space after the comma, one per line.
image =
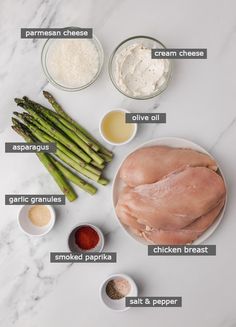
[72,63]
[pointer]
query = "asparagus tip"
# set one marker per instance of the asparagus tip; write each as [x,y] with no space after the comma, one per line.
[48,96]
[17,129]
[18,100]
[27,117]
[46,93]
[20,103]
[14,121]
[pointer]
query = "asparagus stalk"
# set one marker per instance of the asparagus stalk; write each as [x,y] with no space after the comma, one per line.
[65,122]
[103,181]
[47,162]
[42,138]
[86,169]
[60,111]
[30,119]
[55,133]
[73,136]
[35,127]
[105,157]
[95,164]
[74,178]
[73,128]
[74,165]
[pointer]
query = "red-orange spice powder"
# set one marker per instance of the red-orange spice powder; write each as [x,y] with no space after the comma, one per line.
[86,238]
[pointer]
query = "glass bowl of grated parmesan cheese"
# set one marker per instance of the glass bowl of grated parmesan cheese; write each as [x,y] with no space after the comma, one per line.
[72,64]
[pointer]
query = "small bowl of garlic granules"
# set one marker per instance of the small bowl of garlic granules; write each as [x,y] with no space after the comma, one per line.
[36,220]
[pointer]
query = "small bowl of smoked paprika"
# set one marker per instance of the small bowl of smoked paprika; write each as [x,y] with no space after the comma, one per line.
[86,238]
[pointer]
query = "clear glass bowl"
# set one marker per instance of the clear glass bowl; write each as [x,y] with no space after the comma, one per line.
[44,54]
[148,42]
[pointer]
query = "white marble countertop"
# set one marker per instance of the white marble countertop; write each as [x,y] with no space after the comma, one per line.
[200,106]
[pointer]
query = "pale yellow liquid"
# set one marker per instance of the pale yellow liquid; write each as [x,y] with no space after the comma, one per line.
[115,129]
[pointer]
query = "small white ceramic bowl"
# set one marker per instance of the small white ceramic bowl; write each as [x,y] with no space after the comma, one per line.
[117,305]
[113,143]
[28,227]
[73,247]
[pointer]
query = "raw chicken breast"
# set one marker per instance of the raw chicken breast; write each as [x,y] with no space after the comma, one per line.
[127,219]
[149,165]
[175,201]
[186,235]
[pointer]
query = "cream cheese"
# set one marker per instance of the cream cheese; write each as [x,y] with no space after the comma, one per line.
[136,73]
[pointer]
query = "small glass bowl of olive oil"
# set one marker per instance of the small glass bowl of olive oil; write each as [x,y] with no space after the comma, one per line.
[115,130]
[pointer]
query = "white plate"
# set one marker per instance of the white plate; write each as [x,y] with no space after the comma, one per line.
[177,143]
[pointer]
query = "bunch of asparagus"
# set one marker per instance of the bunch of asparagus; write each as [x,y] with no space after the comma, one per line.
[76,147]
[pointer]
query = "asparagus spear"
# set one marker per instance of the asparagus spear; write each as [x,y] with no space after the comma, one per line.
[105,157]
[55,133]
[95,164]
[74,178]
[55,119]
[103,181]
[59,110]
[86,169]
[46,161]
[74,165]
[66,123]
[30,119]
[80,139]
[35,127]
[42,138]
[69,122]
[72,135]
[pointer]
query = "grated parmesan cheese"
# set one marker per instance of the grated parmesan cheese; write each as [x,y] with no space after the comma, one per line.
[72,63]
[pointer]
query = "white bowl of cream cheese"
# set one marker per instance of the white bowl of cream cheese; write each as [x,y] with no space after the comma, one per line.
[133,71]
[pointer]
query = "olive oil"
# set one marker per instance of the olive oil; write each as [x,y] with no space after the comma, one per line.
[115,129]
